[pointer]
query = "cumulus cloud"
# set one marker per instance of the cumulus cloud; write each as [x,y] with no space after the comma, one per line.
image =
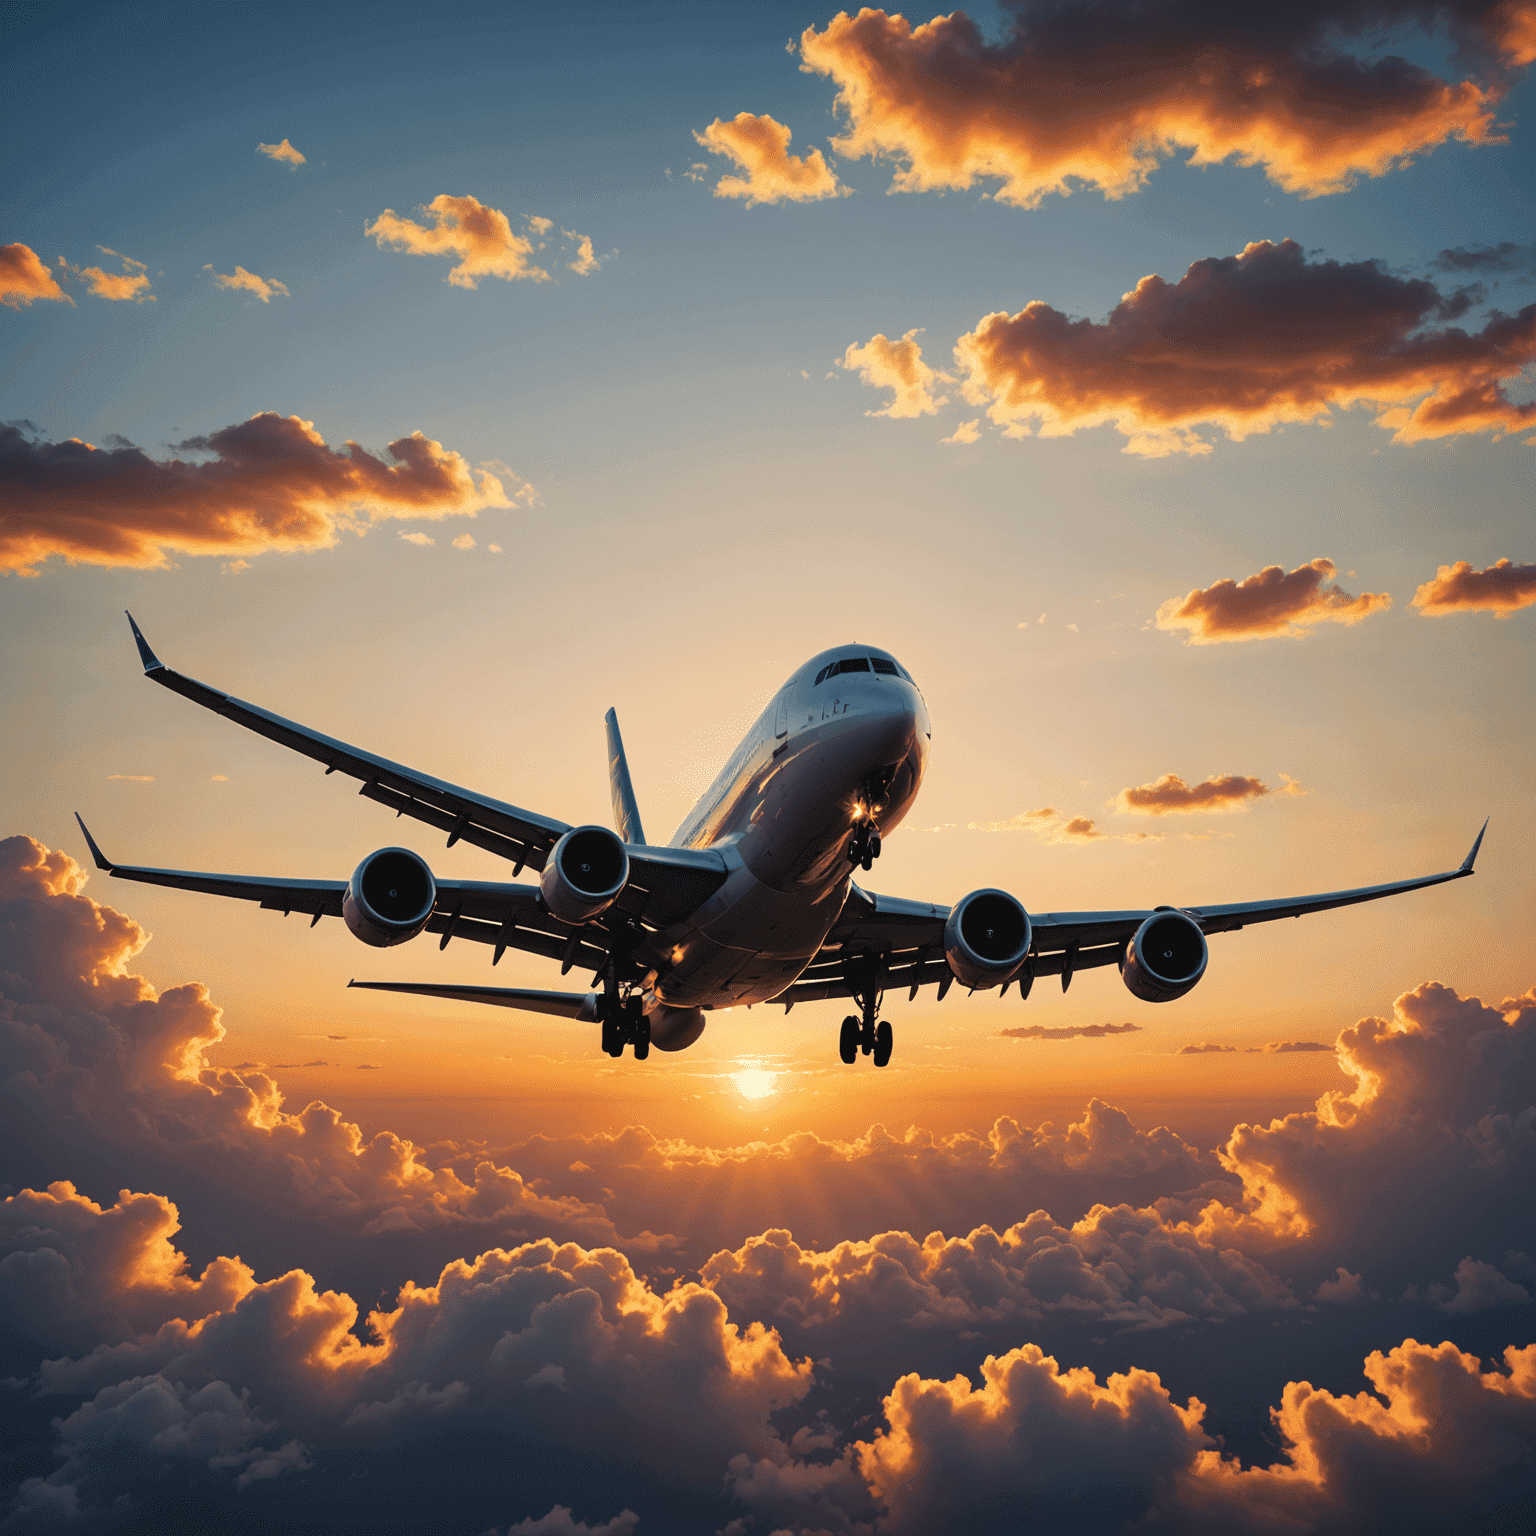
[284,152]
[1481,1286]
[480,237]
[24,278]
[1093,94]
[561,1522]
[130,285]
[1287,1047]
[1205,1048]
[1243,344]
[1503,588]
[898,366]
[270,483]
[1068,1031]
[1272,603]
[1170,794]
[760,146]
[966,432]
[263,287]
[586,260]
[1343,1288]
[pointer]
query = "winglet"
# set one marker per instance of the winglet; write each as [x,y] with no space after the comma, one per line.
[1471,858]
[152,663]
[102,861]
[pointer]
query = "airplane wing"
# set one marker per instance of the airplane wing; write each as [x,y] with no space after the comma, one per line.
[666,883]
[905,939]
[485,911]
[568,1005]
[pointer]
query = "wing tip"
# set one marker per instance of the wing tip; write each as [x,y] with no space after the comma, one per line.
[152,663]
[1471,858]
[102,861]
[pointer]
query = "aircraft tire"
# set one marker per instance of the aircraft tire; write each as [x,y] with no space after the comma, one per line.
[883,1043]
[611,1037]
[642,1049]
[848,1041]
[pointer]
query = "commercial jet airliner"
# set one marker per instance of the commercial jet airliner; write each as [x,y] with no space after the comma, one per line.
[753,900]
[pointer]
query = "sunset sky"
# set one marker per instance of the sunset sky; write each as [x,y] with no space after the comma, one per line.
[1158,383]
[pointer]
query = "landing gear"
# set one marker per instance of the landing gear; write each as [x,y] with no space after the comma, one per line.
[865,1033]
[625,1024]
[864,845]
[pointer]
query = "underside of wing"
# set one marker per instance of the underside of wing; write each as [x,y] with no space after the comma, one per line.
[567,1005]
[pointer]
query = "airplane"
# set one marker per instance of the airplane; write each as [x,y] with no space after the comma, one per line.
[752,901]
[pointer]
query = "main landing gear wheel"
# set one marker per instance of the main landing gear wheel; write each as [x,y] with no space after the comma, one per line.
[848,1041]
[625,1024]
[883,1043]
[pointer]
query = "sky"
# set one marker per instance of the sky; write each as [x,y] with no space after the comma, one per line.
[1156,382]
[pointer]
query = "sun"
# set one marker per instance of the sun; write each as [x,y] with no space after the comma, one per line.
[754,1082]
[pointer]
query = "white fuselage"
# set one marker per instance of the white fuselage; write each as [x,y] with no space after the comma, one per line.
[822,758]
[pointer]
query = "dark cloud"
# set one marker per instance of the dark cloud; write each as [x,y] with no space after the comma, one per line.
[1099,94]
[1272,603]
[1506,256]
[1503,588]
[1246,343]
[270,483]
[1067,1032]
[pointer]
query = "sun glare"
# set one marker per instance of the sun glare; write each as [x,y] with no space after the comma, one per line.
[754,1082]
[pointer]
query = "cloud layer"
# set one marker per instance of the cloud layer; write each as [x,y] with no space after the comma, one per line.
[1243,344]
[760,146]
[1273,603]
[269,483]
[1095,94]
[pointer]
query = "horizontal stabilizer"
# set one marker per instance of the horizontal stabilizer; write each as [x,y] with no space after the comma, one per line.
[569,1005]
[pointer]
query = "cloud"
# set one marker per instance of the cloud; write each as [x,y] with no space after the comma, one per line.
[1203,1049]
[464,541]
[24,278]
[1286,1047]
[560,1522]
[262,287]
[1068,1032]
[284,152]
[1271,603]
[585,261]
[1481,1286]
[417,537]
[1506,256]
[1343,1289]
[898,366]
[1096,95]
[480,237]
[270,483]
[1243,344]
[966,432]
[1170,794]
[129,285]
[760,146]
[1502,588]
[133,778]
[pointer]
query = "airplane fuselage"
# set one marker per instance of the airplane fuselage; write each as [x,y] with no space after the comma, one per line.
[823,757]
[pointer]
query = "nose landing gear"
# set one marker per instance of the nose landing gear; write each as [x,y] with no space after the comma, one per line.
[864,845]
[625,1024]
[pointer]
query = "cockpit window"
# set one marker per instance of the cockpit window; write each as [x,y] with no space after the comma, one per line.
[880,664]
[861,664]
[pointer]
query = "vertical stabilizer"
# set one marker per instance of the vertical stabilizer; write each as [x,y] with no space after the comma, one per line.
[626,814]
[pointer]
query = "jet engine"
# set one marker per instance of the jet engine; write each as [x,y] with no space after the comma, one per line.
[389,897]
[675,1029]
[1166,957]
[986,938]
[585,873]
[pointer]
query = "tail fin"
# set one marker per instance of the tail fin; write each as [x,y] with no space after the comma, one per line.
[626,814]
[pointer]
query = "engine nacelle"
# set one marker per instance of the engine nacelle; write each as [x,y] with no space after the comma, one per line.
[1166,957]
[675,1029]
[587,869]
[389,898]
[986,938]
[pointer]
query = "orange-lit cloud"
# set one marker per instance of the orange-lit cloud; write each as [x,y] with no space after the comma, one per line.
[130,285]
[1098,95]
[264,484]
[1272,603]
[586,260]
[24,278]
[1243,344]
[263,287]
[1170,794]
[480,237]
[1503,588]
[760,146]
[1286,1047]
[898,366]
[1204,1049]
[284,152]
[1067,1031]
